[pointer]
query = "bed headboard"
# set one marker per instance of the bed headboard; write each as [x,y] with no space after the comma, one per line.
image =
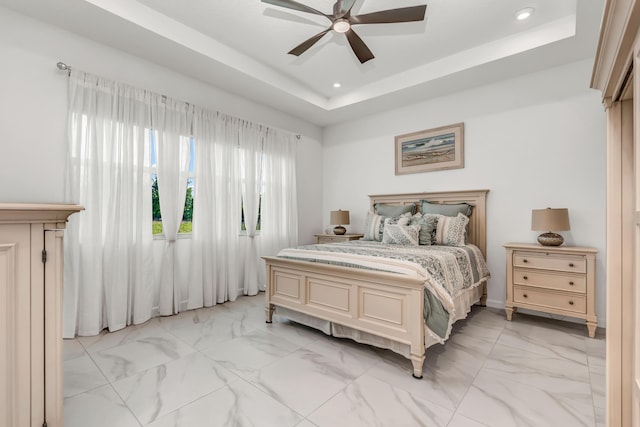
[477,232]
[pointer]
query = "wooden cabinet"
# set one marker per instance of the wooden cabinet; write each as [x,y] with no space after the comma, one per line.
[559,280]
[332,238]
[31,313]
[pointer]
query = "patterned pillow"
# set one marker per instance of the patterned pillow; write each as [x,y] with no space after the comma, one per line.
[396,234]
[374,225]
[451,230]
[428,224]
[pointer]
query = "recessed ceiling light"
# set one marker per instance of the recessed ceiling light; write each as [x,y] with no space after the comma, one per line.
[525,13]
[337,85]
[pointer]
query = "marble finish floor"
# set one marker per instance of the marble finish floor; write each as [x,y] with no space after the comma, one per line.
[223,366]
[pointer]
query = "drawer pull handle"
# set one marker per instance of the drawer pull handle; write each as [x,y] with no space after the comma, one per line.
[524,260]
[524,295]
[570,264]
[571,283]
[570,302]
[525,277]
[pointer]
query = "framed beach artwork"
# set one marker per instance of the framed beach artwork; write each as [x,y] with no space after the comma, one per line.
[430,150]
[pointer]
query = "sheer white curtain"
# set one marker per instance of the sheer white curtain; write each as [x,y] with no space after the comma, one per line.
[172,122]
[251,138]
[279,216]
[108,264]
[214,271]
[109,267]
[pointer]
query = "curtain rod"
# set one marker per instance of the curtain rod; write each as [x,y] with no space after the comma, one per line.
[64,67]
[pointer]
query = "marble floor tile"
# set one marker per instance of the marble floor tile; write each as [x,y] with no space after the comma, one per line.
[107,339]
[165,388]
[461,349]
[546,372]
[346,351]
[80,375]
[251,351]
[304,380]
[71,348]
[597,346]
[462,421]
[292,331]
[498,401]
[481,330]
[224,365]
[237,404]
[598,390]
[371,402]
[135,356]
[444,382]
[601,416]
[100,407]
[543,340]
[486,316]
[211,331]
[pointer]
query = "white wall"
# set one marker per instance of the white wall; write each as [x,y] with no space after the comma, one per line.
[536,141]
[33,110]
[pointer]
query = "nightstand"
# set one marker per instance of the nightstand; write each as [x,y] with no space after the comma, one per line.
[332,238]
[552,279]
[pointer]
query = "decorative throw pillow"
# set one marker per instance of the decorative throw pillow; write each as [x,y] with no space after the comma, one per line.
[428,224]
[396,234]
[393,210]
[451,230]
[374,225]
[449,209]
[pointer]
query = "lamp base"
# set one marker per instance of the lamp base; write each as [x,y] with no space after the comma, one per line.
[339,230]
[550,239]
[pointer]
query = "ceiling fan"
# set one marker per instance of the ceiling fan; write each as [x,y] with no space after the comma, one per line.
[341,22]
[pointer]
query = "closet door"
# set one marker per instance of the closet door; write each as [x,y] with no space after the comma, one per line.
[634,322]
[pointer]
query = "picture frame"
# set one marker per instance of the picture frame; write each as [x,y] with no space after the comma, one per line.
[430,150]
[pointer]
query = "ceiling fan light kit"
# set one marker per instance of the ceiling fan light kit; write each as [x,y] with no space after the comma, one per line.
[342,22]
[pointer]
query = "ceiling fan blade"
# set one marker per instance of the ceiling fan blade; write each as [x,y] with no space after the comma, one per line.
[302,47]
[404,14]
[359,48]
[291,4]
[342,8]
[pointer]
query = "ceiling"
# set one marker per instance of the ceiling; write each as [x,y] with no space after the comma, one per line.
[240,46]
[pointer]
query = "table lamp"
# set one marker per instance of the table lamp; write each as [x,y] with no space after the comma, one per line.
[339,217]
[550,220]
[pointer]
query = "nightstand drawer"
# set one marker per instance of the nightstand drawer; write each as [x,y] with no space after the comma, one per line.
[550,262]
[330,239]
[576,303]
[563,282]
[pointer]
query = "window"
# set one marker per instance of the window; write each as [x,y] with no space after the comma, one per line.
[260,168]
[187,216]
[243,227]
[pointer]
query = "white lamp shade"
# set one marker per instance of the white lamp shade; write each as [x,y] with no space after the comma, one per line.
[339,217]
[550,219]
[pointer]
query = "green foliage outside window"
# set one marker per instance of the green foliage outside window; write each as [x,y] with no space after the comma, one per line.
[187,216]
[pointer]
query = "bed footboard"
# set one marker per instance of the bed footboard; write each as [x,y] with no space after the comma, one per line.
[383,304]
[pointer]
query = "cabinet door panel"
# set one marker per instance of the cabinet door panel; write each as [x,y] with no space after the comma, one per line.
[15,360]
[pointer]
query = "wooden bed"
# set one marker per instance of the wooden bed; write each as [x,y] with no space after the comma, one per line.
[386,305]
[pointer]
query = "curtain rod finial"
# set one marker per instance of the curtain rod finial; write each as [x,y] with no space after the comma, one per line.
[63,67]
